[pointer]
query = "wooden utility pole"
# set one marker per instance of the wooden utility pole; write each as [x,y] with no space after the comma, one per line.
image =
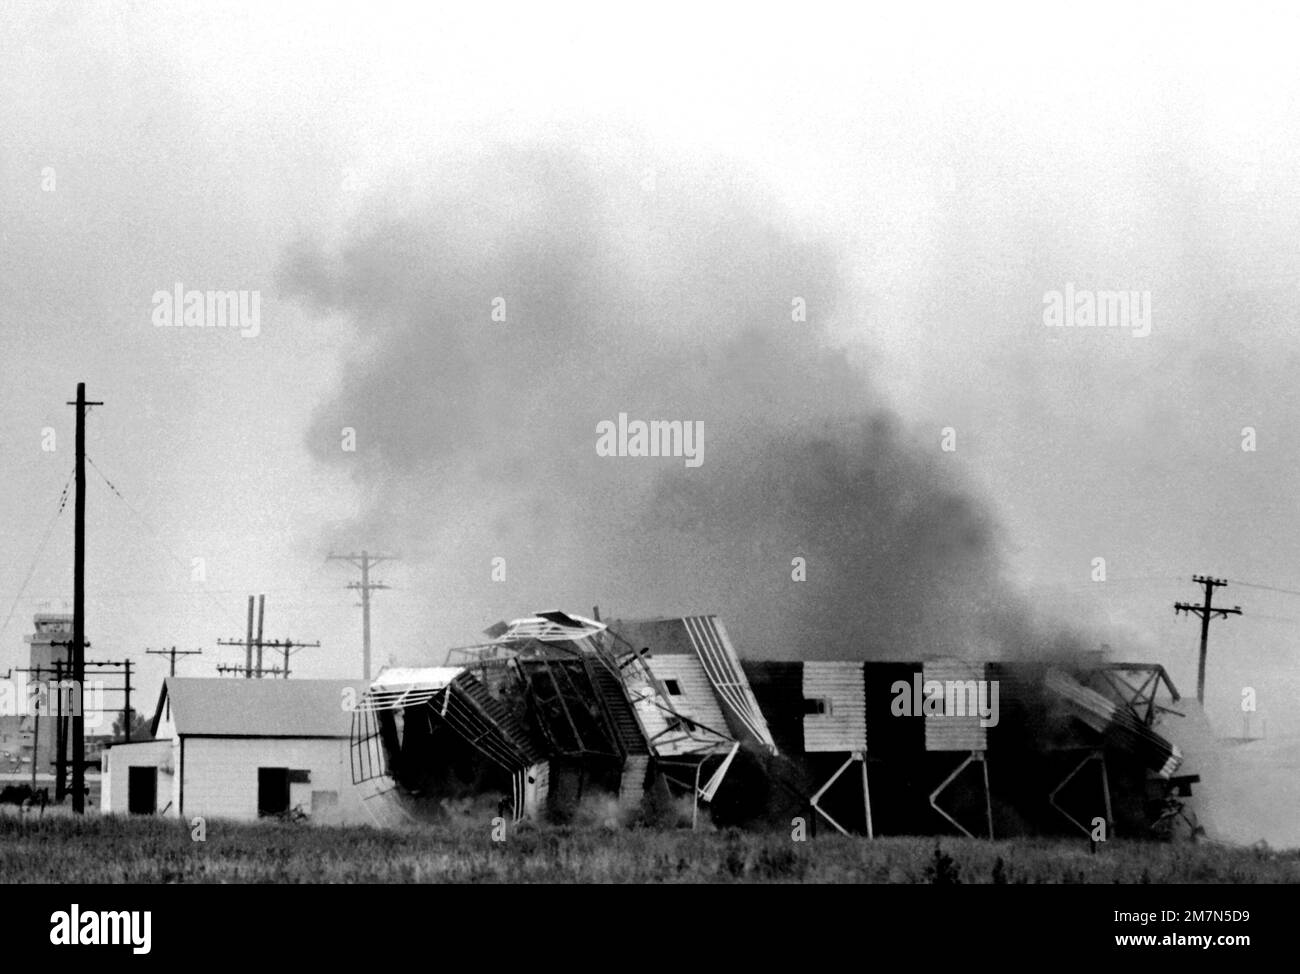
[261,617]
[247,644]
[288,645]
[36,746]
[76,714]
[79,609]
[250,641]
[124,667]
[173,653]
[1206,611]
[60,739]
[127,715]
[60,744]
[61,669]
[365,561]
[60,725]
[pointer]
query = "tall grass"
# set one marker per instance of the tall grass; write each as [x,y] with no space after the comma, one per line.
[148,850]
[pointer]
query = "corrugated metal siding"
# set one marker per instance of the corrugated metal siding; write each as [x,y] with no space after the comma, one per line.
[722,665]
[959,730]
[705,638]
[696,702]
[488,724]
[610,687]
[844,728]
[1116,723]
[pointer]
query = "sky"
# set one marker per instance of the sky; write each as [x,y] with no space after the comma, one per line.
[649,192]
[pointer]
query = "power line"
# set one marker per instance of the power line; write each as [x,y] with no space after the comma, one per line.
[251,641]
[1110,580]
[1255,617]
[157,535]
[152,592]
[1267,588]
[1206,611]
[40,550]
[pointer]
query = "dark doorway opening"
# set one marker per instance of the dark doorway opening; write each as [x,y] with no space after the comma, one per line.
[272,791]
[142,791]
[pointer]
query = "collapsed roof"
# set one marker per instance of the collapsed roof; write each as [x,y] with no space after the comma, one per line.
[554,705]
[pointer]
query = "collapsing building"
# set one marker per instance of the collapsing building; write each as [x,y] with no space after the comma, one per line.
[555,709]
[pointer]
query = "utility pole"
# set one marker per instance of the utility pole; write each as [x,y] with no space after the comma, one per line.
[287,646]
[36,747]
[60,724]
[247,644]
[60,738]
[173,653]
[126,707]
[1206,611]
[365,561]
[35,722]
[60,728]
[63,717]
[123,666]
[79,609]
[261,616]
[251,641]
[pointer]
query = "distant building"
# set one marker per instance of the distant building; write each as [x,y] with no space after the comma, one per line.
[49,641]
[49,655]
[241,749]
[15,743]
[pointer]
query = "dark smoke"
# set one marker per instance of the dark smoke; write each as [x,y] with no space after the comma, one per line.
[476,439]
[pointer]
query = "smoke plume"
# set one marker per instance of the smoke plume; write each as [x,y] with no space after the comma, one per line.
[666,295]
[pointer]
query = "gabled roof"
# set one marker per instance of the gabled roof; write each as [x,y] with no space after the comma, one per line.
[225,707]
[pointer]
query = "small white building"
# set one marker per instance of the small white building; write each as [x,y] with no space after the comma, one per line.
[241,749]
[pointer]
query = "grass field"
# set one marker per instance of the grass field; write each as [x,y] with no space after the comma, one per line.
[121,850]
